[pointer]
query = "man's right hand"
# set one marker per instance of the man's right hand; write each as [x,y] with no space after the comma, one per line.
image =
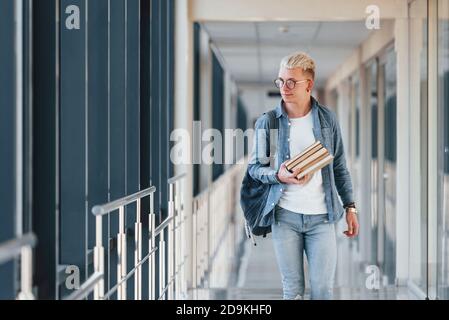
[288,177]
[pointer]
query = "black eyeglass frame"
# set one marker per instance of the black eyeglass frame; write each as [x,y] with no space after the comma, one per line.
[284,82]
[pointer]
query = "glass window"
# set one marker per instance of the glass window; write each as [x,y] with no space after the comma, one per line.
[419,153]
[357,116]
[389,246]
[443,161]
[355,97]
[372,101]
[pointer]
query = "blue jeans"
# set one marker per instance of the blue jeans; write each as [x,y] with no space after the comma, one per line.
[294,233]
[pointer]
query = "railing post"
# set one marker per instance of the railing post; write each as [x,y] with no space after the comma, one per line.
[26,274]
[207,227]
[200,240]
[121,253]
[177,242]
[171,243]
[162,263]
[138,254]
[151,245]
[194,251]
[99,257]
[183,243]
[180,235]
[204,236]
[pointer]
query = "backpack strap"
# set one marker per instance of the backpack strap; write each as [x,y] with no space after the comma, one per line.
[272,124]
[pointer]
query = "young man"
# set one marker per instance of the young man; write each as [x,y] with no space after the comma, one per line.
[303,213]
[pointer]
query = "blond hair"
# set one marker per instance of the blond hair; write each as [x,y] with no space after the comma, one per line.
[299,60]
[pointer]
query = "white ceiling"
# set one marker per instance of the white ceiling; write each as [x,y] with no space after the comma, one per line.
[252,50]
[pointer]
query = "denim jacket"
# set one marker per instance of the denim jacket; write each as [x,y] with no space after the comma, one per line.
[336,177]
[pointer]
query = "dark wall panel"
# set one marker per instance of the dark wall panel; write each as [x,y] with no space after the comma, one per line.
[242,123]
[45,147]
[145,41]
[132,98]
[155,116]
[7,140]
[117,125]
[164,106]
[171,77]
[132,122]
[74,112]
[103,88]
[117,100]
[145,112]
[98,110]
[217,113]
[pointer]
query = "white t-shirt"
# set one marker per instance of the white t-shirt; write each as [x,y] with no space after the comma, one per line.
[308,198]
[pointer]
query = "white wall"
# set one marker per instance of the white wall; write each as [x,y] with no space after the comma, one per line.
[407,137]
[256,100]
[184,110]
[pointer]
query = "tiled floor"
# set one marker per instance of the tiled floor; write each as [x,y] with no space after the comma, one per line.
[259,279]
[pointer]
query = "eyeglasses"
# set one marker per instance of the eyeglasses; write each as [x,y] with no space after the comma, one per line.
[279,83]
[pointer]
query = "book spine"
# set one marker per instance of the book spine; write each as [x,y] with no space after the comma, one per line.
[313,146]
[303,156]
[315,168]
[317,156]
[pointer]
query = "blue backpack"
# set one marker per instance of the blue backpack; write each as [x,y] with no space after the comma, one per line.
[253,197]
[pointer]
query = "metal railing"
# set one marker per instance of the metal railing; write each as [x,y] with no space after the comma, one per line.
[216,231]
[95,282]
[22,246]
[216,227]
[122,275]
[178,259]
[172,284]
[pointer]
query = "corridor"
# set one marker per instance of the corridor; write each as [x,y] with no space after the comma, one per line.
[126,128]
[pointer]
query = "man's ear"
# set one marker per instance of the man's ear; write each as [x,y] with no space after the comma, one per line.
[310,85]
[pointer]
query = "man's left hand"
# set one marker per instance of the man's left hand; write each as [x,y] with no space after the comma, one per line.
[353,225]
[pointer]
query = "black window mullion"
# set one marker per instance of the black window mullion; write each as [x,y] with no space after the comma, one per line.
[217,113]
[163,105]
[196,101]
[171,77]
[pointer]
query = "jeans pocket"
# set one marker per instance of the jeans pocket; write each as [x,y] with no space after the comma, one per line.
[287,220]
[277,214]
[320,219]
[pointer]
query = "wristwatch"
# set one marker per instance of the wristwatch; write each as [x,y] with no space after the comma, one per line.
[352,210]
[350,207]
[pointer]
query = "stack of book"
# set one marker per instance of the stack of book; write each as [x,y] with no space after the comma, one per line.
[312,159]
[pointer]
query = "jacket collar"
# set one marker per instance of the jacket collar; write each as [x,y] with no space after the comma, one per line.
[317,122]
[280,109]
